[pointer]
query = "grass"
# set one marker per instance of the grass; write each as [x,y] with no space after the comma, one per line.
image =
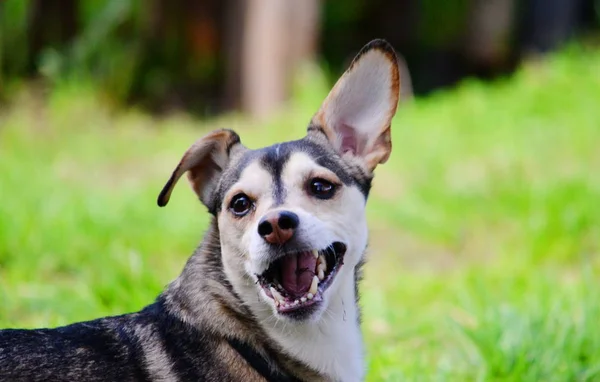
[485,223]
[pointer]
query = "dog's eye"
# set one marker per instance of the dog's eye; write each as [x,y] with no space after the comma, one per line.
[240,205]
[321,188]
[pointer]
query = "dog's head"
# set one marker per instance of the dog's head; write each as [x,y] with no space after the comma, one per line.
[291,216]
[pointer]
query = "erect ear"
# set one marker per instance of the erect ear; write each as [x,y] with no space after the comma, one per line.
[356,116]
[205,160]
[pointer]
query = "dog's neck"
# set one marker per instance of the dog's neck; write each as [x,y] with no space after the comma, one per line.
[332,346]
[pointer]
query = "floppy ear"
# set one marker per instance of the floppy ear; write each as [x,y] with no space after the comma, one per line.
[205,160]
[356,116]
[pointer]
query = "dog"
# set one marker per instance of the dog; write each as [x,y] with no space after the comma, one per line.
[271,293]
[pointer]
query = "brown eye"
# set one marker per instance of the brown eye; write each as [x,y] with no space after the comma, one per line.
[240,205]
[321,188]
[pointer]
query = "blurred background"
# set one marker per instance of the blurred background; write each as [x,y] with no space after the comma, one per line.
[214,56]
[484,254]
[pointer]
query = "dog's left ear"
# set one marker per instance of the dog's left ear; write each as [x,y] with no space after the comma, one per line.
[205,160]
[356,116]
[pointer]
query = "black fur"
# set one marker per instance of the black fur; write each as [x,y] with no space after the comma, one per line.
[259,363]
[273,159]
[105,349]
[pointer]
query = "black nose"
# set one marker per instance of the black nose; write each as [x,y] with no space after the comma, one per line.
[278,227]
[288,220]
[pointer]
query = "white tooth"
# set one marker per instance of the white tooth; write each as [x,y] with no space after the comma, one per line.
[276,295]
[315,253]
[314,285]
[296,302]
[322,263]
[303,299]
[321,274]
[309,296]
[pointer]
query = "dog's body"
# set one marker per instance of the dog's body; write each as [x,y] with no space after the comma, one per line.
[271,293]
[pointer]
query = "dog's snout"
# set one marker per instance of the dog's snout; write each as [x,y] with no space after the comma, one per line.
[278,227]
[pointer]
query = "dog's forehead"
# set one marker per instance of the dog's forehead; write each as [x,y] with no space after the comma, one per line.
[273,159]
[278,156]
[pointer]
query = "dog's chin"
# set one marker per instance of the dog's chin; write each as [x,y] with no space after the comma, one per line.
[295,283]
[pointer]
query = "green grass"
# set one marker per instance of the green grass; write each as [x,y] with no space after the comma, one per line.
[485,223]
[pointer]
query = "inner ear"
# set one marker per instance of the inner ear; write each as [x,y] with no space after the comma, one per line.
[348,140]
[356,116]
[204,162]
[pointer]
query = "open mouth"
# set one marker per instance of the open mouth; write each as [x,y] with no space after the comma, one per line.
[297,280]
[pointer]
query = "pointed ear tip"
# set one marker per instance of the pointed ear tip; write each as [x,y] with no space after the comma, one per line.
[379,43]
[389,53]
[383,46]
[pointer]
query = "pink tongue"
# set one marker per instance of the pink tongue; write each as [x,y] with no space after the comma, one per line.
[297,272]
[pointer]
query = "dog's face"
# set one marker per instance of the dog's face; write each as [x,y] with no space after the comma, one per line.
[291,216]
[291,219]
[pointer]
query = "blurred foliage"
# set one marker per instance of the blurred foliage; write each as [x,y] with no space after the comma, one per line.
[132,50]
[442,22]
[162,54]
[13,38]
[441,40]
[98,52]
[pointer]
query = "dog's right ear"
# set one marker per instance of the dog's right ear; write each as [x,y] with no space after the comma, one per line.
[205,160]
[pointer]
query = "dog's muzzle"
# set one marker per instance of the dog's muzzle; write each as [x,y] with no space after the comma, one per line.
[296,281]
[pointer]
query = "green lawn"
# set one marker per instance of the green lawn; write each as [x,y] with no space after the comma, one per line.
[485,223]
